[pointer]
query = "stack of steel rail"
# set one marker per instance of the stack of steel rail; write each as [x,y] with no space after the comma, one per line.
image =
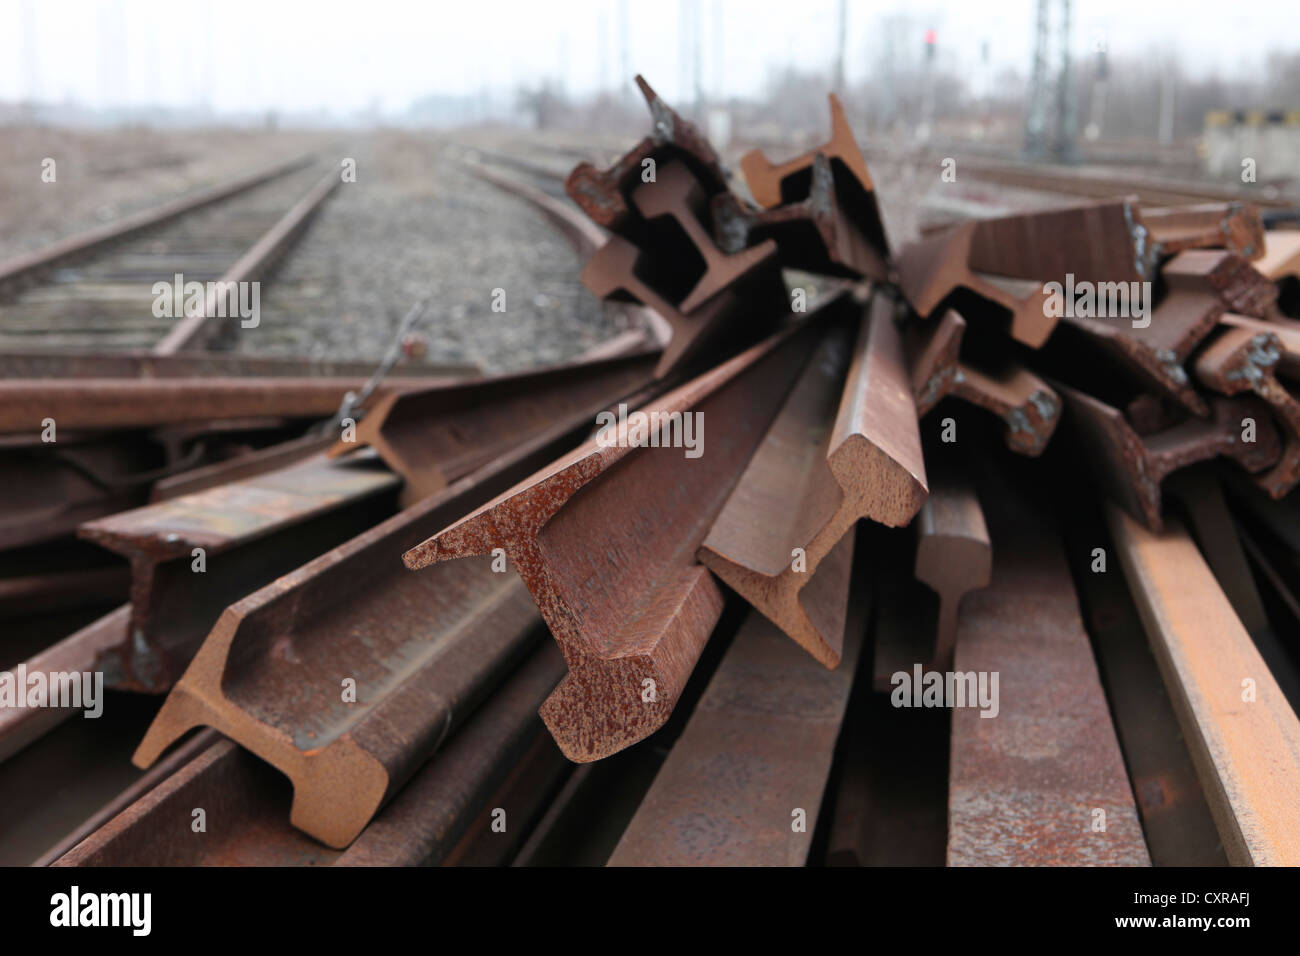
[886,579]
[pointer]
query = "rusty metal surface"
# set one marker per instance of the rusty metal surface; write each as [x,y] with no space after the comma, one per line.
[1096,242]
[931,269]
[248,465]
[24,267]
[845,445]
[676,193]
[774,183]
[1246,754]
[196,329]
[140,403]
[433,436]
[1026,404]
[1287,332]
[606,537]
[432,817]
[953,554]
[815,234]
[1176,819]
[1235,226]
[19,726]
[757,749]
[1009,260]
[1241,360]
[247,802]
[1025,785]
[1281,255]
[177,760]
[1240,285]
[1188,313]
[604,195]
[1129,468]
[422,650]
[250,530]
[613,270]
[52,363]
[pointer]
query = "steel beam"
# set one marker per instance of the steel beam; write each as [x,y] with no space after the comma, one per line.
[844,446]
[606,537]
[815,234]
[604,195]
[433,436]
[1240,360]
[247,802]
[743,784]
[1026,404]
[1130,467]
[1243,734]
[1043,782]
[422,649]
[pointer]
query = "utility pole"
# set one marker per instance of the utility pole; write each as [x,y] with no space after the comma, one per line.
[1167,94]
[1051,92]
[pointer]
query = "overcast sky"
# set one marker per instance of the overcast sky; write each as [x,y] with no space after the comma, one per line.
[239,55]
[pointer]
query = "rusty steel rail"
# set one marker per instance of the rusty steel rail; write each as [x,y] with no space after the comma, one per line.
[770,183]
[844,446]
[1104,183]
[754,756]
[932,268]
[1287,333]
[432,436]
[618,585]
[24,267]
[249,531]
[953,554]
[19,726]
[1130,468]
[197,328]
[178,760]
[1028,407]
[1281,255]
[613,271]
[1242,287]
[1025,787]
[1176,819]
[795,180]
[141,403]
[243,466]
[1243,734]
[1240,360]
[421,649]
[420,826]
[1188,313]
[51,363]
[677,194]
[815,234]
[605,195]
[583,234]
[1235,226]
[1008,261]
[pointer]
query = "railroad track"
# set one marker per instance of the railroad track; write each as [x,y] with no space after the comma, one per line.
[97,291]
[556,650]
